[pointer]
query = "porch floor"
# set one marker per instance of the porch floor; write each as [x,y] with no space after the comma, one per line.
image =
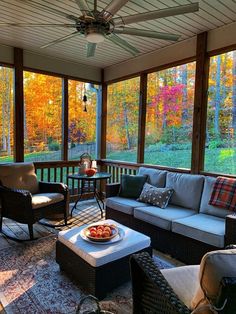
[86,212]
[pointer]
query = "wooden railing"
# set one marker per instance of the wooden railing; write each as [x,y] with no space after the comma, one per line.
[58,171]
[116,168]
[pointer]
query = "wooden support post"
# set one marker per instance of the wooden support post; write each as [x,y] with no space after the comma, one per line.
[200,104]
[65,119]
[19,106]
[142,117]
[103,119]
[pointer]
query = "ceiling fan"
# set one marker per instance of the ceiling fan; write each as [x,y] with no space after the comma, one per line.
[96,26]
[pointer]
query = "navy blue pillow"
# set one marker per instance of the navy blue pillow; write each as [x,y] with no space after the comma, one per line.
[131,185]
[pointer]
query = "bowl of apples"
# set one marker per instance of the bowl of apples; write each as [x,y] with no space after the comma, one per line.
[101,232]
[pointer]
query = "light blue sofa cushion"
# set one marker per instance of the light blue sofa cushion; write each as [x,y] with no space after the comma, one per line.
[201,227]
[161,217]
[205,208]
[156,177]
[124,205]
[187,189]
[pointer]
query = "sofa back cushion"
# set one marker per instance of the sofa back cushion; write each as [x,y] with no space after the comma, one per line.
[156,177]
[205,208]
[20,175]
[187,189]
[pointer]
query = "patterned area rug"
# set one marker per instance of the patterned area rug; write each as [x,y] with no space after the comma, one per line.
[31,282]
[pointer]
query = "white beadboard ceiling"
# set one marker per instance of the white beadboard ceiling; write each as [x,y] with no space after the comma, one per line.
[212,14]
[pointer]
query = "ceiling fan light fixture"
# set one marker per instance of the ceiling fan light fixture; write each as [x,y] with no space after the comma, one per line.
[95,38]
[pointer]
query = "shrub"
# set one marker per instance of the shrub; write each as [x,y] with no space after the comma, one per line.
[53,146]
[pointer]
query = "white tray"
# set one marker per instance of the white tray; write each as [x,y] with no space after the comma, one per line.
[118,238]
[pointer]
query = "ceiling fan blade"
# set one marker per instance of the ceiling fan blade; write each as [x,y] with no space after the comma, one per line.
[48,9]
[91,47]
[111,9]
[123,44]
[83,6]
[136,18]
[146,33]
[37,25]
[60,39]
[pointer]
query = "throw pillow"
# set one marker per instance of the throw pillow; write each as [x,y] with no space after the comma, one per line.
[131,185]
[156,196]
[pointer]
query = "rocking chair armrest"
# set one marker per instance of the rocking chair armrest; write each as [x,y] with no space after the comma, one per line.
[53,187]
[112,189]
[16,203]
[151,291]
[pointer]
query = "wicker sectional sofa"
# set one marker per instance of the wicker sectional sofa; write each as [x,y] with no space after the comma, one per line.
[188,227]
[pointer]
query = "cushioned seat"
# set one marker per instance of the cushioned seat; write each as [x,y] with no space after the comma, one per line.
[187,288]
[45,199]
[162,217]
[124,205]
[205,228]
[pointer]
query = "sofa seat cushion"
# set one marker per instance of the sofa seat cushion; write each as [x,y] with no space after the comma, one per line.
[124,205]
[187,189]
[184,281]
[156,177]
[201,227]
[161,217]
[45,199]
[205,207]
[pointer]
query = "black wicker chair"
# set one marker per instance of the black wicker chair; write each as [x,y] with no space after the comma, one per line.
[26,200]
[152,293]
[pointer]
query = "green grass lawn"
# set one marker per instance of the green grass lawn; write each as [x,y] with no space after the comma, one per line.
[219,160]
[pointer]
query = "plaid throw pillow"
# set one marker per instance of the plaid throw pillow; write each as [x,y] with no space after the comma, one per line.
[224,193]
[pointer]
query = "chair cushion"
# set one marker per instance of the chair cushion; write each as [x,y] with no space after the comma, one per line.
[45,199]
[131,185]
[214,266]
[161,217]
[184,281]
[156,196]
[205,207]
[155,177]
[187,189]
[201,227]
[124,205]
[20,175]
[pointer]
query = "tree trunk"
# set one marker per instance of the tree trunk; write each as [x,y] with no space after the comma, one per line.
[234,95]
[126,122]
[184,77]
[217,98]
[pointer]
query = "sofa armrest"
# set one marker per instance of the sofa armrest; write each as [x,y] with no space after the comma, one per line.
[226,299]
[230,229]
[151,291]
[112,189]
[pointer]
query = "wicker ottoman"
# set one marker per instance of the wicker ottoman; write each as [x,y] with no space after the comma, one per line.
[99,268]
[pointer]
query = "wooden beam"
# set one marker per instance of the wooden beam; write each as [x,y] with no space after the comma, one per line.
[65,119]
[18,105]
[142,117]
[200,104]
[103,118]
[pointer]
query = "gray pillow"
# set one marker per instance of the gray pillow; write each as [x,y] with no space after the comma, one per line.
[156,196]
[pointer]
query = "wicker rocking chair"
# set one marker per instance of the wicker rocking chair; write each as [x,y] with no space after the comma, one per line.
[26,200]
